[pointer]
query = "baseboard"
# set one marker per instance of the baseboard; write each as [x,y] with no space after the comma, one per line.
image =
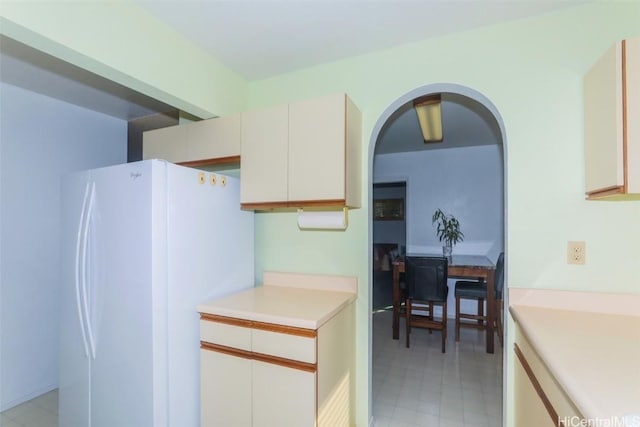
[4,406]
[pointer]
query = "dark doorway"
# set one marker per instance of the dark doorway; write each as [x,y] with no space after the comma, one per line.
[389,237]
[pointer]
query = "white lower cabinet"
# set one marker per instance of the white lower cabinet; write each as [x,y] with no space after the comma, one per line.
[282,396]
[238,391]
[271,375]
[530,409]
[539,399]
[229,405]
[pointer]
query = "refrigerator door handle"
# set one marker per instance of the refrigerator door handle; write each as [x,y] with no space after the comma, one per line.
[78,264]
[85,285]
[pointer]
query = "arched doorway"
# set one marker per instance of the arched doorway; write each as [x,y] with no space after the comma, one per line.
[418,224]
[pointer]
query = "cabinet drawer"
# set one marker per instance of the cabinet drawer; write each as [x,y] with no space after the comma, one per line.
[226,334]
[287,346]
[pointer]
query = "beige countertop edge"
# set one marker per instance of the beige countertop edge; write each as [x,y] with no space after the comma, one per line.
[595,302]
[596,396]
[257,304]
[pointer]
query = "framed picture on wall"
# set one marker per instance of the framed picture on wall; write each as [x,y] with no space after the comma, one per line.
[388,209]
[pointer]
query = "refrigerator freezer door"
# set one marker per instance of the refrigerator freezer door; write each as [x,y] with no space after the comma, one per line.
[120,295]
[74,374]
[108,370]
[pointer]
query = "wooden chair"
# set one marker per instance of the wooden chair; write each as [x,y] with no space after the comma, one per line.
[477,290]
[426,285]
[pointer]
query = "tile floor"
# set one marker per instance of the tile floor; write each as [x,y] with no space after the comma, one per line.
[39,412]
[420,386]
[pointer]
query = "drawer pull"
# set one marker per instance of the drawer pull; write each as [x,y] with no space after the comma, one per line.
[274,360]
[264,326]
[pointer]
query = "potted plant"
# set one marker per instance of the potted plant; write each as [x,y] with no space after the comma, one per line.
[448,230]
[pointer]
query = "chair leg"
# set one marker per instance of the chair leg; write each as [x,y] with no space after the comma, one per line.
[444,327]
[430,315]
[457,318]
[407,317]
[480,310]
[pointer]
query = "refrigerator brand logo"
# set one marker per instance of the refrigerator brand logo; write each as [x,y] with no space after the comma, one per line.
[135,175]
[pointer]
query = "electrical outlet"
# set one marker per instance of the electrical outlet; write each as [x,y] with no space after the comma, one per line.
[576,252]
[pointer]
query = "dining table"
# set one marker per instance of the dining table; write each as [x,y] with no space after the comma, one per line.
[461,267]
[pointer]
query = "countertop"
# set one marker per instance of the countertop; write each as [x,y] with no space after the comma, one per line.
[595,357]
[303,307]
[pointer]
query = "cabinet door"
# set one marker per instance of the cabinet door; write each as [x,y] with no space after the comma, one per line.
[317,157]
[603,122]
[529,408]
[633,113]
[264,163]
[168,143]
[283,396]
[214,138]
[225,390]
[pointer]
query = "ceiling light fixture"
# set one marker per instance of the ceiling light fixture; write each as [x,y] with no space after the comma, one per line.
[428,109]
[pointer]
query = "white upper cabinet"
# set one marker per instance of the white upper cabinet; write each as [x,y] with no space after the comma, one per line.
[167,143]
[217,138]
[264,159]
[206,142]
[612,124]
[309,157]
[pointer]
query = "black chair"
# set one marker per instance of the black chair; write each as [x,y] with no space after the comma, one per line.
[426,285]
[477,290]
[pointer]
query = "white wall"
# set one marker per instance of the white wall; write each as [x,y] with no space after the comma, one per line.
[40,139]
[466,182]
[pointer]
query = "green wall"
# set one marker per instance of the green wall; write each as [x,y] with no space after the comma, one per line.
[530,70]
[122,42]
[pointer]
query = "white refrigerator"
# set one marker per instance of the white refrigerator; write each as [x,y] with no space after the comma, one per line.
[142,245]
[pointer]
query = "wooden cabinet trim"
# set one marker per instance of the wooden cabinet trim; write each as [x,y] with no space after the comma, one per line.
[264,326]
[266,358]
[536,385]
[287,363]
[625,135]
[317,203]
[295,204]
[606,192]
[282,329]
[211,162]
[226,320]
[231,351]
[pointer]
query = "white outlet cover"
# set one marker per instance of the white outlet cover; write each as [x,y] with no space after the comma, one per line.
[576,252]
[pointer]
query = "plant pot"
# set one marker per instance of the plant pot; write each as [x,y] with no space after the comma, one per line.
[446,250]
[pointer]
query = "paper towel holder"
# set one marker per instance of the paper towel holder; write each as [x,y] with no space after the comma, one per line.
[323,219]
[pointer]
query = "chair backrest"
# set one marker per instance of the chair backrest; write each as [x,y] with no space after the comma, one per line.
[499,276]
[426,278]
